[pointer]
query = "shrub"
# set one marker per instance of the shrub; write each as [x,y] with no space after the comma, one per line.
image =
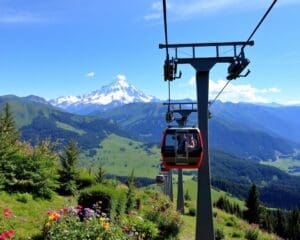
[219,234]
[23,197]
[252,233]
[85,180]
[139,228]
[112,199]
[192,211]
[236,235]
[167,220]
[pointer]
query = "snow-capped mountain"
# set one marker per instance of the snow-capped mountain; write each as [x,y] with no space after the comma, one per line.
[117,93]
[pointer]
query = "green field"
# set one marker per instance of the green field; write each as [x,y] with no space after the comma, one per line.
[285,164]
[119,156]
[232,227]
[191,186]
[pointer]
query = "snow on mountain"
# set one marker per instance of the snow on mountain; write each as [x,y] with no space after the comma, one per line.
[117,93]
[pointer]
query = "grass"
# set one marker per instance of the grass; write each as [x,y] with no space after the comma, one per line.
[69,128]
[119,156]
[233,227]
[284,164]
[191,186]
[29,217]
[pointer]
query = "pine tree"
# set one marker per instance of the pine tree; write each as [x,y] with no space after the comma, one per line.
[294,225]
[8,126]
[8,149]
[280,224]
[253,212]
[187,196]
[100,175]
[69,172]
[130,203]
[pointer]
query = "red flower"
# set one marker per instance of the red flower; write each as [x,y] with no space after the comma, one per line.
[3,235]
[10,233]
[7,212]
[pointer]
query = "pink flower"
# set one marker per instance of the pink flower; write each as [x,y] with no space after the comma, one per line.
[7,212]
[3,235]
[10,233]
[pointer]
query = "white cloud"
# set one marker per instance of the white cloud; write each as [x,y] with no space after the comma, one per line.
[237,92]
[292,102]
[90,74]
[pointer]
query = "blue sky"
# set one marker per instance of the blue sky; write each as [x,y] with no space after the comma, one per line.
[53,48]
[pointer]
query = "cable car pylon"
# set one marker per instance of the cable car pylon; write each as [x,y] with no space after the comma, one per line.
[202,66]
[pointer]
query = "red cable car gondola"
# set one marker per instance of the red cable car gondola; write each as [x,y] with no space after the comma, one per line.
[182,148]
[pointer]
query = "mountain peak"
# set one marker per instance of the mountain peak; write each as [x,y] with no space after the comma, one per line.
[121,80]
[118,93]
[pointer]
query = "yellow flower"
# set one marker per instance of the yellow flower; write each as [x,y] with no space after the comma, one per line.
[101,220]
[106,225]
[47,224]
[143,235]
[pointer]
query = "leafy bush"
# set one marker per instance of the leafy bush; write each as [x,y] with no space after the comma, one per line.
[23,197]
[192,211]
[167,220]
[139,228]
[219,234]
[85,180]
[112,199]
[252,233]
[236,235]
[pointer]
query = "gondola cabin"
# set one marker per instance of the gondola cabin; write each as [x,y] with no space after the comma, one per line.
[182,148]
[160,179]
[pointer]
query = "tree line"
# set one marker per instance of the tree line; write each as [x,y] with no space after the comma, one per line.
[285,224]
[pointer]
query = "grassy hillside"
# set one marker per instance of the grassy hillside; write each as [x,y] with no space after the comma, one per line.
[119,156]
[29,217]
[232,227]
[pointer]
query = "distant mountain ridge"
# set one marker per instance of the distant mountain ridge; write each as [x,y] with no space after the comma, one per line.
[118,93]
[244,132]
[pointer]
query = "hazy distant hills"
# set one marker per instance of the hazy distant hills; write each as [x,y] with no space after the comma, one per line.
[239,129]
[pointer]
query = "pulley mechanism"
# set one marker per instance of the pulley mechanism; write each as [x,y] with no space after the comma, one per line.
[170,70]
[237,67]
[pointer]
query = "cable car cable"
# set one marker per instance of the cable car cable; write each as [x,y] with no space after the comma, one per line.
[213,101]
[258,25]
[242,48]
[166,28]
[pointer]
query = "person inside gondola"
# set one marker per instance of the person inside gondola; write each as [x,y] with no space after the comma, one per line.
[181,141]
[190,143]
